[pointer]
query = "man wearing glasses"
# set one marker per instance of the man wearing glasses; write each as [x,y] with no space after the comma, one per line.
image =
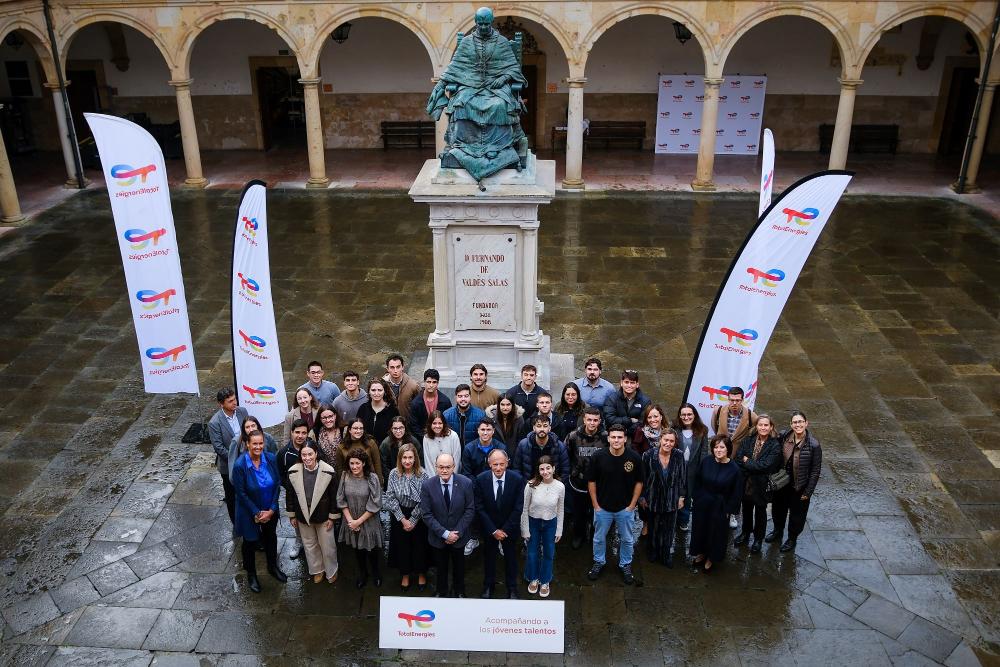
[448,505]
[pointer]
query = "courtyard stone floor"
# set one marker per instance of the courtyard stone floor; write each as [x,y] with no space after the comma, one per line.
[115,547]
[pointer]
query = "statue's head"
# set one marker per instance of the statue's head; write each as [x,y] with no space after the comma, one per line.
[484,21]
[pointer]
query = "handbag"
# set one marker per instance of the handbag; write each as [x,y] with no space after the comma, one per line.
[778,480]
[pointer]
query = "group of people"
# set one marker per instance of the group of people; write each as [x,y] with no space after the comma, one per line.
[502,469]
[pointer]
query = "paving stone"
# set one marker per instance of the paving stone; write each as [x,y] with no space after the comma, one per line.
[30,613]
[962,656]
[867,574]
[112,627]
[837,592]
[879,614]
[112,577]
[931,597]
[78,656]
[815,647]
[897,546]
[929,639]
[176,630]
[825,617]
[25,655]
[74,594]
[99,554]
[843,544]
[237,632]
[156,592]
[123,529]
[149,561]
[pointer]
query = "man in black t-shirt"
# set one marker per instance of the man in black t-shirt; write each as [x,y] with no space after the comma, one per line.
[614,481]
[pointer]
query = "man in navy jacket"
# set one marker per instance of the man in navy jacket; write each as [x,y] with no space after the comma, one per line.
[499,503]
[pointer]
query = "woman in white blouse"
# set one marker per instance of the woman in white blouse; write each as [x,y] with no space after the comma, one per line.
[440,439]
[542,525]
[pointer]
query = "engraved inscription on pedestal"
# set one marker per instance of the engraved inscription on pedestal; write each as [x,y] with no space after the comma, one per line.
[485,294]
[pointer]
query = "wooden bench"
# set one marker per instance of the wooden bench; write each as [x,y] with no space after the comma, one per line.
[418,133]
[864,138]
[608,132]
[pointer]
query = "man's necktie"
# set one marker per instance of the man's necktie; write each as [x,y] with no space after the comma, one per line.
[447,497]
[499,489]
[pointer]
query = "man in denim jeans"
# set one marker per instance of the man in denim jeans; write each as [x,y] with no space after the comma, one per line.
[614,482]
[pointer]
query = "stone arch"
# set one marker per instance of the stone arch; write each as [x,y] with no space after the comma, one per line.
[515,10]
[186,43]
[605,23]
[840,36]
[970,20]
[39,42]
[315,49]
[79,23]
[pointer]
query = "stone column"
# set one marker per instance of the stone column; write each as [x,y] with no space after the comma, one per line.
[441,299]
[67,149]
[314,134]
[842,130]
[529,283]
[574,135]
[189,133]
[983,124]
[10,209]
[706,141]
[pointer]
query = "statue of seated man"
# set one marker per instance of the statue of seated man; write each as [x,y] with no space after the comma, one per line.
[480,92]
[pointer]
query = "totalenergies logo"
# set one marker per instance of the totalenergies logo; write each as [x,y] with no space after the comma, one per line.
[150,299]
[250,225]
[255,343]
[766,184]
[140,238]
[732,114]
[769,278]
[159,356]
[667,83]
[127,175]
[664,114]
[260,392]
[802,218]
[722,393]
[422,619]
[248,285]
[742,337]
[678,98]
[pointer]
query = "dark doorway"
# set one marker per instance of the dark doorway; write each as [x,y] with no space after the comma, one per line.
[84,97]
[282,112]
[531,98]
[958,112]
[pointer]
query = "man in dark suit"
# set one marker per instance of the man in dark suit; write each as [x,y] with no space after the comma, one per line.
[222,428]
[499,503]
[449,505]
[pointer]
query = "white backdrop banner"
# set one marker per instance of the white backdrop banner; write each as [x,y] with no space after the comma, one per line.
[260,385]
[755,290]
[144,224]
[678,114]
[516,626]
[766,173]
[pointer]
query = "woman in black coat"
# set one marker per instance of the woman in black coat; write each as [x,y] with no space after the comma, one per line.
[802,457]
[759,455]
[664,484]
[717,493]
[692,441]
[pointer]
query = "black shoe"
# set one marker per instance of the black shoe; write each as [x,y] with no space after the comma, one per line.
[577,542]
[277,574]
[253,582]
[421,587]
[789,545]
[260,546]
[773,536]
[297,553]
[755,547]
[669,561]
[742,540]
[627,575]
[404,588]
[513,594]
[460,595]
[442,594]
[595,571]
[361,582]
[487,592]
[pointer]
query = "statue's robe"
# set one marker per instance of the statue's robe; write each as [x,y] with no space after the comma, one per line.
[483,127]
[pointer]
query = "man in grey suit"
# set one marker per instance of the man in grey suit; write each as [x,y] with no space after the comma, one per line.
[222,427]
[448,502]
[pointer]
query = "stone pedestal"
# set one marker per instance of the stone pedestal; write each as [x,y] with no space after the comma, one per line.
[486,306]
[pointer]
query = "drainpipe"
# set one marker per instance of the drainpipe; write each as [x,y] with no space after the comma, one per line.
[70,129]
[967,153]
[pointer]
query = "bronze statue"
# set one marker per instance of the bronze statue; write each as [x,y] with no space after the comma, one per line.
[480,92]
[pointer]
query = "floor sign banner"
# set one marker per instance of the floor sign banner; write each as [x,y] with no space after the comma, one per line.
[755,289]
[260,384]
[766,173]
[144,224]
[451,624]
[678,114]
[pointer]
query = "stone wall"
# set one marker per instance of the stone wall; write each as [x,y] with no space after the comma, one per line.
[352,120]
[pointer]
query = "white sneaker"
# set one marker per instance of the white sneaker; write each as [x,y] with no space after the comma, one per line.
[544,591]
[533,587]
[470,546]
[733,523]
